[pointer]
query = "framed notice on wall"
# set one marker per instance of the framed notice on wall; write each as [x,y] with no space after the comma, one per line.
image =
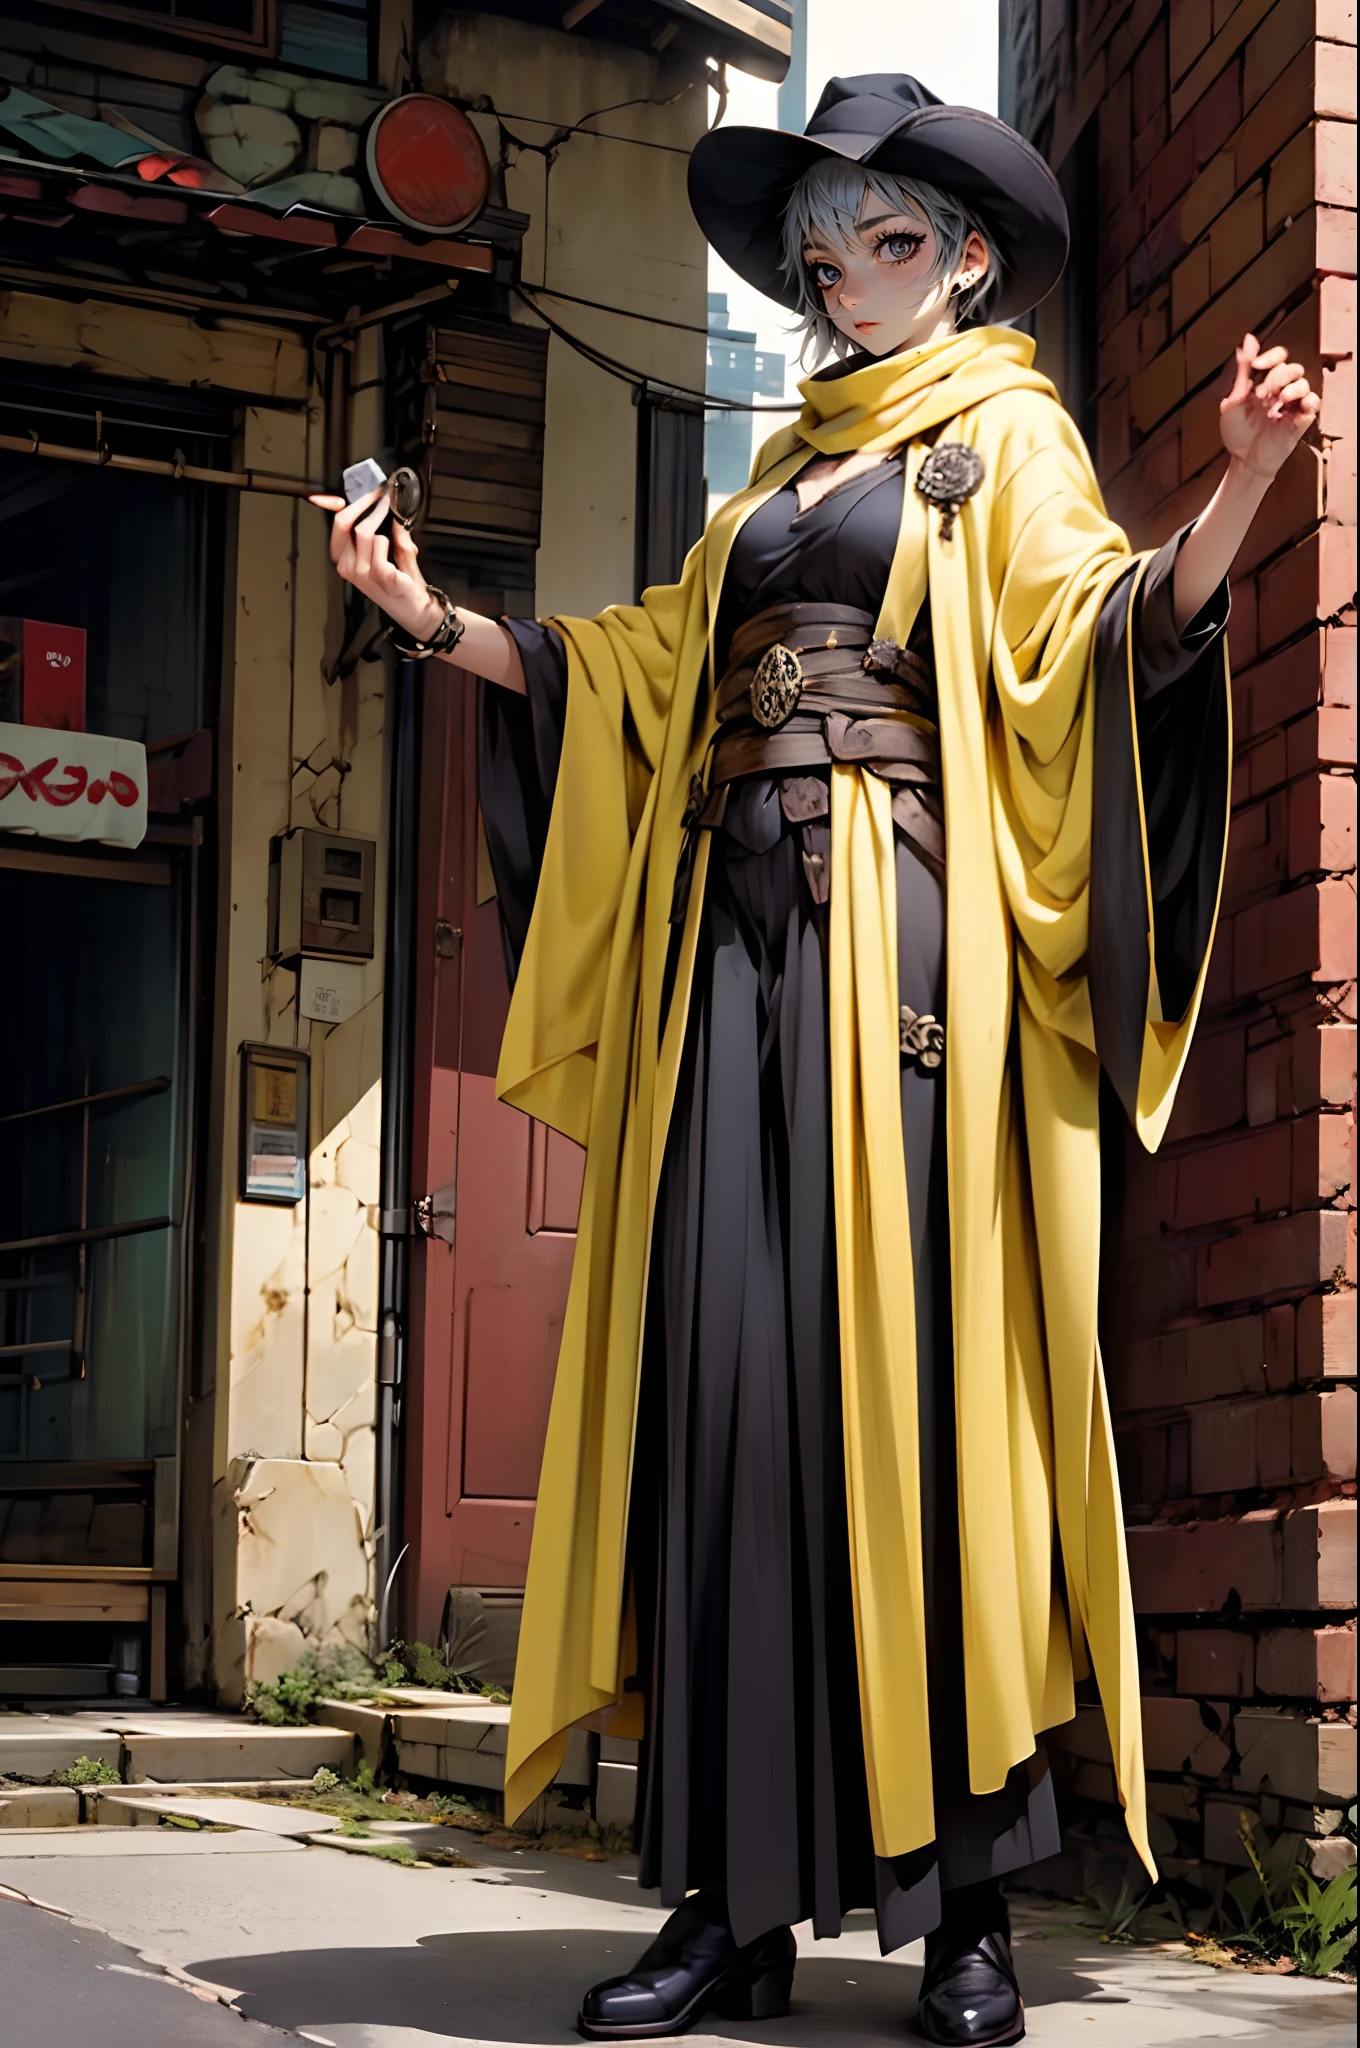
[273,1124]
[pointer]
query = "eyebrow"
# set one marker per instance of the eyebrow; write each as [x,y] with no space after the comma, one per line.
[861,226]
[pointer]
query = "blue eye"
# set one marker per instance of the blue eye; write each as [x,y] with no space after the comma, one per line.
[826,275]
[898,248]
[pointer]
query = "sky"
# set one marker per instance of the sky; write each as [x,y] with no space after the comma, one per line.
[950,45]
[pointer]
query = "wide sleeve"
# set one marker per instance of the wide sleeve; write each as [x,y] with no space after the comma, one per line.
[519,752]
[569,800]
[1111,753]
[1159,812]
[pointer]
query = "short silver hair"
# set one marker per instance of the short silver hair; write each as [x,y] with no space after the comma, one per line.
[824,207]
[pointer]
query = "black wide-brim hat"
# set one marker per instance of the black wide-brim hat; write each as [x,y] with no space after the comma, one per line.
[741,181]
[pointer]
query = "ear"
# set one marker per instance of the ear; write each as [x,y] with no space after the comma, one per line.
[974,263]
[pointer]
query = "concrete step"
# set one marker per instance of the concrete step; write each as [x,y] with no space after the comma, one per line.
[136,1808]
[236,1749]
[36,1750]
[40,1806]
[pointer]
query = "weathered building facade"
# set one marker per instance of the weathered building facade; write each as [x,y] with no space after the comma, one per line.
[212,298]
[1208,153]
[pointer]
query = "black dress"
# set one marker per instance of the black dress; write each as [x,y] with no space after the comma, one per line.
[752,1770]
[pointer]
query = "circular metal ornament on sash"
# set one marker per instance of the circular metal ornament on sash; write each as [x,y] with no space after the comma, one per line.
[776,687]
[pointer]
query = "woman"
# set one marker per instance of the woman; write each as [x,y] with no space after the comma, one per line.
[829,878]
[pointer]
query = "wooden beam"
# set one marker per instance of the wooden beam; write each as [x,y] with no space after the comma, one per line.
[579,12]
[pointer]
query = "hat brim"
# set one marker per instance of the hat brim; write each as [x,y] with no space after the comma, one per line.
[741,180]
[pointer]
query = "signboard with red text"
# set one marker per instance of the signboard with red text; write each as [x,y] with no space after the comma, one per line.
[72,785]
[42,674]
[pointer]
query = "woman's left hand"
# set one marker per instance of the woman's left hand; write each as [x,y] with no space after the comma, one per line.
[1269,409]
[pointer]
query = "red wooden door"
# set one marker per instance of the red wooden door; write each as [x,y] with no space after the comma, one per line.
[489,1288]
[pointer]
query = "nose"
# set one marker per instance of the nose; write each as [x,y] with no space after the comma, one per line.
[848,299]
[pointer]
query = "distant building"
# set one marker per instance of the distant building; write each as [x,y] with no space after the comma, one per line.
[737,369]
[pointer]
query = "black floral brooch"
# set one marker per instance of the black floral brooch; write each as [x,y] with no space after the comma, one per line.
[948,478]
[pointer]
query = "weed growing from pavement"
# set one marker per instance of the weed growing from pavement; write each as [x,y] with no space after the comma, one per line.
[86,1770]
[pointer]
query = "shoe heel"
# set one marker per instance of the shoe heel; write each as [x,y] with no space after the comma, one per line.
[763,1995]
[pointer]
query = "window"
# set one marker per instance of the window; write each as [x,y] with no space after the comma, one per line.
[237,24]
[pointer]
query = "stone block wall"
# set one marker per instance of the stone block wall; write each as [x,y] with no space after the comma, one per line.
[1223,142]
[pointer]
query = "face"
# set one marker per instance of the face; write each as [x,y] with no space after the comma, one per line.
[879,290]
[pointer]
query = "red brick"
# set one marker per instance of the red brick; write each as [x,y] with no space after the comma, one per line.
[1283,1257]
[1307,1664]
[1308,933]
[1281,687]
[1335,163]
[1281,270]
[1150,1372]
[1197,1568]
[1258,850]
[1218,1661]
[1325,1345]
[1322,1434]
[1319,1556]
[1244,632]
[1336,317]
[1324,1067]
[1161,386]
[1289,512]
[1290,181]
[1274,1452]
[1249,1177]
[1170,173]
[1279,1322]
[1237,237]
[1285,111]
[1294,1756]
[1223,1447]
[1316,579]
[1149,141]
[1320,741]
[1212,88]
[1192,25]
[1206,198]
[1322,825]
[1268,764]
[1263,1084]
[1336,20]
[1321,1154]
[1282,35]
[1223,1357]
[1149,79]
[1336,240]
[1335,90]
[1191,287]
[1212,1094]
[1183,1736]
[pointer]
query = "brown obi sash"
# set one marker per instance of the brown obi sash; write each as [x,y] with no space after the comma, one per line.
[806,685]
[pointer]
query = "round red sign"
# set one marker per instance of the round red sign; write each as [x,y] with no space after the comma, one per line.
[427,163]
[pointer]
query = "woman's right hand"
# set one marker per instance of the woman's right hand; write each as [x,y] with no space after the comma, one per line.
[386,571]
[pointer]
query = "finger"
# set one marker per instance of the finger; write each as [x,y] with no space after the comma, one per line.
[343,527]
[375,518]
[1290,398]
[1267,360]
[405,553]
[378,564]
[325,504]
[1241,385]
[1274,382]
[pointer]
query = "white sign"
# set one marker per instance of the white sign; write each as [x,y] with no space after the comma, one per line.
[330,991]
[72,785]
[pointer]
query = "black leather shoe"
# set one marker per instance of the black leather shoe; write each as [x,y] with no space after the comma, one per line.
[693,1967]
[969,1994]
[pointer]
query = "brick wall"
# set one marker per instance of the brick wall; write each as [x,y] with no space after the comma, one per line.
[1222,134]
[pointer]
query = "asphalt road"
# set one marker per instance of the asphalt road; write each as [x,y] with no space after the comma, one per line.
[63,1986]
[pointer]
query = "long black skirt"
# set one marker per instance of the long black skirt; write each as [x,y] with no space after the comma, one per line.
[752,1772]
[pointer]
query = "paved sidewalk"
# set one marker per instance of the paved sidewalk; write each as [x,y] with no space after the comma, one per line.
[362,1954]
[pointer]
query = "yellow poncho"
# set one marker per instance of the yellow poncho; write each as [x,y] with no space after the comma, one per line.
[1015,596]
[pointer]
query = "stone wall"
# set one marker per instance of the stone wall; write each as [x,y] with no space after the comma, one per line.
[1225,144]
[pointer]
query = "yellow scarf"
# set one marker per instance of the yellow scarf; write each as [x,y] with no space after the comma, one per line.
[1015,596]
